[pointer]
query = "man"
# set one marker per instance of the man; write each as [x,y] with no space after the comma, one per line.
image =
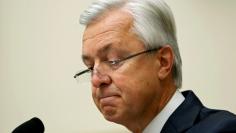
[131,51]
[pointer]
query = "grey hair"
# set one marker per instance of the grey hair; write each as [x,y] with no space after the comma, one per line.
[155,28]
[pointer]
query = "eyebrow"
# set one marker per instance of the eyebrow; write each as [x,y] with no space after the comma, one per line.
[102,50]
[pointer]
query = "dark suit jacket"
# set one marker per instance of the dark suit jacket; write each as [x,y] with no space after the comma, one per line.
[192,117]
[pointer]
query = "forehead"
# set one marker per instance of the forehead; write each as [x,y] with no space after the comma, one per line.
[115,20]
[113,28]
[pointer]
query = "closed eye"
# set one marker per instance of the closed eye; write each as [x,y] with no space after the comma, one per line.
[90,68]
[114,62]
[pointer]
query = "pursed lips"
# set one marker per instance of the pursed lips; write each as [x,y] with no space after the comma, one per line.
[102,96]
[107,99]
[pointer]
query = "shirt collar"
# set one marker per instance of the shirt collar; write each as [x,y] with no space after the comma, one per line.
[158,122]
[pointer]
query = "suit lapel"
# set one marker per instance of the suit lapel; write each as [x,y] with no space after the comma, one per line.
[185,115]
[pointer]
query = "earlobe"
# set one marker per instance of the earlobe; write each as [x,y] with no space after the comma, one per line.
[166,59]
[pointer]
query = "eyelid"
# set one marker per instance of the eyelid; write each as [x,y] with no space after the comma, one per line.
[90,68]
[87,63]
[113,61]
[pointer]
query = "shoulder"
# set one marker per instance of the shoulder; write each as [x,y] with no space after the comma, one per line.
[214,121]
[193,117]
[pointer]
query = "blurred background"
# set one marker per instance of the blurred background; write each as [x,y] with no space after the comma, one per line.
[40,49]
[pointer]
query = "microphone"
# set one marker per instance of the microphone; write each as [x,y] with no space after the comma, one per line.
[34,125]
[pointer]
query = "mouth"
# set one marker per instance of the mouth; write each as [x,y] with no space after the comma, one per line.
[107,96]
[108,100]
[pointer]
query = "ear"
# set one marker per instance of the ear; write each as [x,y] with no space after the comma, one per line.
[166,60]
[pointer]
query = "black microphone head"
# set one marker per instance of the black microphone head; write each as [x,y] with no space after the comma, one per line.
[34,125]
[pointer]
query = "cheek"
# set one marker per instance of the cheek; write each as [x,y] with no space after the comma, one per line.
[137,88]
[132,89]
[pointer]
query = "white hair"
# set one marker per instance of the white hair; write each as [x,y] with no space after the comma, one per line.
[153,23]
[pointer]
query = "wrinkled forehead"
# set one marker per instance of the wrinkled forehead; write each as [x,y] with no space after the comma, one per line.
[114,20]
[115,28]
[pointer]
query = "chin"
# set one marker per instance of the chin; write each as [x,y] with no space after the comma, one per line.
[113,119]
[112,116]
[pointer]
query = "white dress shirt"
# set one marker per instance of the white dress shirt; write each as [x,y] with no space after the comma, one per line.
[158,122]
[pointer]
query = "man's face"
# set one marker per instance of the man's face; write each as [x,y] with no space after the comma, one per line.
[130,91]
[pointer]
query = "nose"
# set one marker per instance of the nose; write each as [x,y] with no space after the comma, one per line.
[100,80]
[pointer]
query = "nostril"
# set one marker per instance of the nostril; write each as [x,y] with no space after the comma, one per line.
[103,85]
